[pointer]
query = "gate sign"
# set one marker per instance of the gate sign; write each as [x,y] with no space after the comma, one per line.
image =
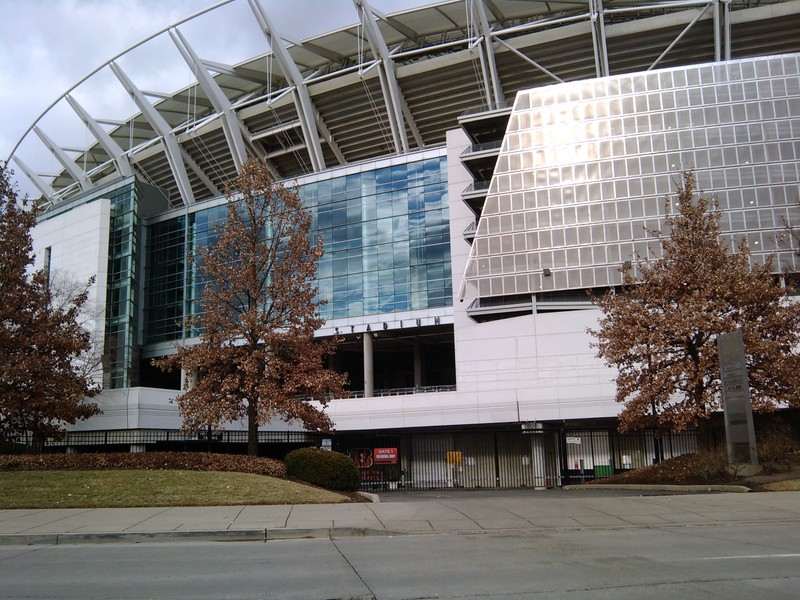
[573,440]
[385,455]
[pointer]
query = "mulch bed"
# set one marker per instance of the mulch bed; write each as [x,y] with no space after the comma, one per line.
[702,468]
[686,469]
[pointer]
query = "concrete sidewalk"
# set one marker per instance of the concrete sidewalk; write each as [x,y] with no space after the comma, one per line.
[432,512]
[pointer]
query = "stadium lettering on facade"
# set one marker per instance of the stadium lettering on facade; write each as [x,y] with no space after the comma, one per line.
[384,325]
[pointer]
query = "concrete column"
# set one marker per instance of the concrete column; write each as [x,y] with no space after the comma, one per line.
[335,362]
[417,364]
[369,378]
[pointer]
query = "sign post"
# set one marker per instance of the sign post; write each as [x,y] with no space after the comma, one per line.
[739,430]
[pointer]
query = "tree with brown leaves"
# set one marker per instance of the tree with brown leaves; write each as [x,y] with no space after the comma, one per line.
[257,357]
[42,340]
[659,332]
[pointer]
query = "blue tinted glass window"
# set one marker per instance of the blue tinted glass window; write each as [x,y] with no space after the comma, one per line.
[386,239]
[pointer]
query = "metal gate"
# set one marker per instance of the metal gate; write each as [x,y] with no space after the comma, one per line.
[532,458]
[473,460]
[599,453]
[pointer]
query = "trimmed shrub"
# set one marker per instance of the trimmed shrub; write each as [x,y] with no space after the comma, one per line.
[330,470]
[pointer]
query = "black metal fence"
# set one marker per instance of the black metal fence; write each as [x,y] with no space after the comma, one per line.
[596,454]
[536,458]
[501,458]
[273,444]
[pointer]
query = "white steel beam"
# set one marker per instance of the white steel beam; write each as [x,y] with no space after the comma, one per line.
[66,162]
[231,124]
[172,149]
[304,106]
[391,90]
[199,172]
[530,61]
[598,24]
[498,15]
[121,161]
[717,32]
[726,12]
[675,42]
[159,95]
[48,192]
[316,49]
[328,136]
[497,98]
[244,73]
[396,25]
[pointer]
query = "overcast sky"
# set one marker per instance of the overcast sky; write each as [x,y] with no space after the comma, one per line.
[46,46]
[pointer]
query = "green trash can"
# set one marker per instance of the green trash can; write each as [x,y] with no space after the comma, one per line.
[603,471]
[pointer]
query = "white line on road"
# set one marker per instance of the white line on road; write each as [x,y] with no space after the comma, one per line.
[751,556]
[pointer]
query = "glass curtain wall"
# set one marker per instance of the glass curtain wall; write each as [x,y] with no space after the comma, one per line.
[386,238]
[121,295]
[165,273]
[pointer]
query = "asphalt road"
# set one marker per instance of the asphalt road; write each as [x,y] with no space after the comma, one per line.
[704,561]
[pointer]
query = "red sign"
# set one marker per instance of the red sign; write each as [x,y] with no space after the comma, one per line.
[385,455]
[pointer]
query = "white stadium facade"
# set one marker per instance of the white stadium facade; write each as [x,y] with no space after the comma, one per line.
[473,167]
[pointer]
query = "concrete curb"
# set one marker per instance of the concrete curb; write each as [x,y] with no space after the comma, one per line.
[224,535]
[267,535]
[328,533]
[660,487]
[132,537]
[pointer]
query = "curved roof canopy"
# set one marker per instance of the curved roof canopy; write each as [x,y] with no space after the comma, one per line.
[385,85]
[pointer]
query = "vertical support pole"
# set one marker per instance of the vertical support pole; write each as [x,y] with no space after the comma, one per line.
[726,12]
[496,462]
[417,364]
[740,432]
[717,33]
[562,446]
[599,37]
[369,377]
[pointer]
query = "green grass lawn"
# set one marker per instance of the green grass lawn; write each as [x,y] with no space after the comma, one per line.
[117,489]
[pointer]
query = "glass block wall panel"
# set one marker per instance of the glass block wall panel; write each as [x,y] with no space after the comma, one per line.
[587,167]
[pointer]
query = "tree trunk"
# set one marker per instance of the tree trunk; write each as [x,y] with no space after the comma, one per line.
[705,435]
[658,446]
[37,446]
[252,429]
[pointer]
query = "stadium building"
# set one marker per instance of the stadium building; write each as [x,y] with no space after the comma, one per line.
[473,166]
